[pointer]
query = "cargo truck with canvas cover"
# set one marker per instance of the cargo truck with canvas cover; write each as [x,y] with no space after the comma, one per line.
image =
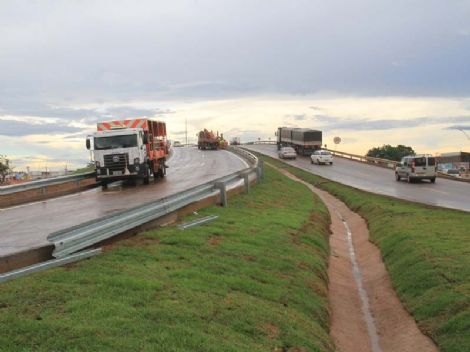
[129,149]
[304,140]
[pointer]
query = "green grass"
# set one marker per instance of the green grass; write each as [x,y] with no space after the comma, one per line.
[252,280]
[427,253]
[83,170]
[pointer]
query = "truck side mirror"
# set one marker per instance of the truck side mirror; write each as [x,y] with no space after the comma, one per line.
[146,138]
[88,143]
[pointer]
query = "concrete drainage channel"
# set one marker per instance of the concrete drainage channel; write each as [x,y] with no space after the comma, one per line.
[69,243]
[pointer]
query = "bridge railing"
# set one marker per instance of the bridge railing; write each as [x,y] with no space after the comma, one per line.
[389,164]
[261,142]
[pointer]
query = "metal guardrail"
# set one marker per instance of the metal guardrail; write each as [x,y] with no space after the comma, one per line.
[198,222]
[463,178]
[390,164]
[261,142]
[4,190]
[73,239]
[251,158]
[48,264]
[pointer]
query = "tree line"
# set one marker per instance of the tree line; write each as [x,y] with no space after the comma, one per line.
[5,168]
[390,153]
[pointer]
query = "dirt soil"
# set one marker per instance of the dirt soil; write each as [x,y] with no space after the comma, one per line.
[366,314]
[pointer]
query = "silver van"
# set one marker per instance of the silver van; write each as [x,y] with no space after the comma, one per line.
[417,167]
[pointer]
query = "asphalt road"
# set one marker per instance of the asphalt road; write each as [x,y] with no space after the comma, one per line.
[443,193]
[27,226]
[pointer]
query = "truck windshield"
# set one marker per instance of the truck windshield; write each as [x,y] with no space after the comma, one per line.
[112,142]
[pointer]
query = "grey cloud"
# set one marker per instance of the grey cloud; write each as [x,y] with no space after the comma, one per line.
[245,135]
[232,48]
[316,108]
[17,128]
[182,135]
[239,131]
[27,108]
[248,136]
[289,121]
[30,108]
[364,124]
[22,163]
[123,112]
[296,117]
[75,136]
[459,127]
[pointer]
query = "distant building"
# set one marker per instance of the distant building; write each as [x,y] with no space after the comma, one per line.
[458,159]
[35,175]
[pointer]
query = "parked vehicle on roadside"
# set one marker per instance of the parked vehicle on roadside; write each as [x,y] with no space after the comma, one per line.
[416,167]
[321,157]
[287,153]
[452,172]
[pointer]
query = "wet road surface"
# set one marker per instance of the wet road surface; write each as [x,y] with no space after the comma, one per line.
[444,193]
[27,226]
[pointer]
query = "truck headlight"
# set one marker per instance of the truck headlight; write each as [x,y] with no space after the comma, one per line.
[97,164]
[136,161]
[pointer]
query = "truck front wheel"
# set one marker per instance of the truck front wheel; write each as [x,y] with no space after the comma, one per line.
[162,169]
[147,175]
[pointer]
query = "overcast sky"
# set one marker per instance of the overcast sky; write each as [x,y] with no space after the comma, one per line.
[66,64]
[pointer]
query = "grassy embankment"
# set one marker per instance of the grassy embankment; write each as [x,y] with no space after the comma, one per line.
[83,170]
[252,280]
[427,253]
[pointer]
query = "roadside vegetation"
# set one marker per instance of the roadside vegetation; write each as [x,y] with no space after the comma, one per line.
[5,168]
[391,153]
[252,280]
[426,251]
[89,168]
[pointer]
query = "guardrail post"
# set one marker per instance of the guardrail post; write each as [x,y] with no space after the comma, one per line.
[259,170]
[44,190]
[223,193]
[246,180]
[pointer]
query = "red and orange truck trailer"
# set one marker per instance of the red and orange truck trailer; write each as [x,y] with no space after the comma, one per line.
[208,140]
[129,149]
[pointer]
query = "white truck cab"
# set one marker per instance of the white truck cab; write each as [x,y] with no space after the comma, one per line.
[119,154]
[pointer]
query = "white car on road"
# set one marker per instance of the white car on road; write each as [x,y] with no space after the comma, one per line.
[321,157]
[287,153]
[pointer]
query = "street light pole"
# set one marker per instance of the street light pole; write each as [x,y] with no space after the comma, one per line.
[466,135]
[186,129]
